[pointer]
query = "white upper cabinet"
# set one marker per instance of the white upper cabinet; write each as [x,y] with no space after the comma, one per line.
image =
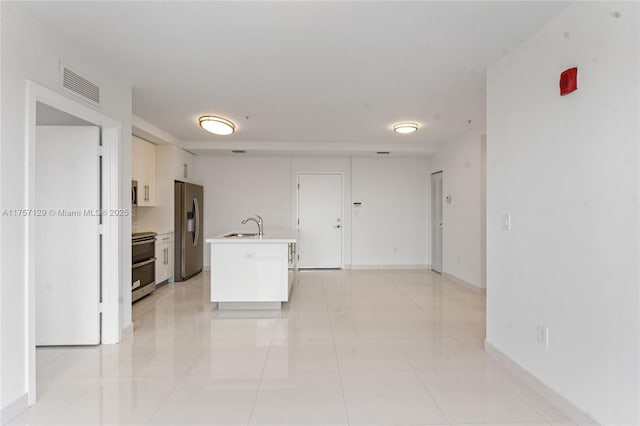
[183,165]
[175,164]
[143,170]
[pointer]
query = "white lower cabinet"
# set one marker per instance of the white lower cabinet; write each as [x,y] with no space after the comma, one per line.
[164,258]
[249,272]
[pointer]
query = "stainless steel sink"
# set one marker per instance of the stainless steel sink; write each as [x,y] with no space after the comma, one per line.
[240,235]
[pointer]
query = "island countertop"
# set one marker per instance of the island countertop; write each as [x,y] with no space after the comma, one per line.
[268,237]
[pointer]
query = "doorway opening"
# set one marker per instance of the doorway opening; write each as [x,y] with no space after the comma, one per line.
[67,229]
[72,186]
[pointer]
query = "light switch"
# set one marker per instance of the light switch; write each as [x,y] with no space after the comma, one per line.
[506,221]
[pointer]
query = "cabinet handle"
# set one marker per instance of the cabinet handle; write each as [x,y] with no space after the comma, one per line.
[146,192]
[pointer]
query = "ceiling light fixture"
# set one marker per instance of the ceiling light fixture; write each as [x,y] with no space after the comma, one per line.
[405,128]
[217,125]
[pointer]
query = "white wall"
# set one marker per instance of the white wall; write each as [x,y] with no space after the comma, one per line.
[30,52]
[460,161]
[236,187]
[394,191]
[567,169]
[391,227]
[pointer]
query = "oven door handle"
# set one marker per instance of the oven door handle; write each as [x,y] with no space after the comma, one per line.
[146,262]
[139,243]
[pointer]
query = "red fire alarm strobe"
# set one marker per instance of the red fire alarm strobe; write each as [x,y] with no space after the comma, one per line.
[568,81]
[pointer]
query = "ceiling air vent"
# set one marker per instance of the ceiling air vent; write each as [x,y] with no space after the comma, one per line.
[79,86]
[383,153]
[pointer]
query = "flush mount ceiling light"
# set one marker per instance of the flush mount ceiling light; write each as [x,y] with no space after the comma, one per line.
[405,128]
[217,125]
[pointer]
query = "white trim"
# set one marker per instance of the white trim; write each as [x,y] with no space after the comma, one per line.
[111,333]
[111,131]
[13,409]
[561,403]
[296,190]
[391,267]
[465,284]
[147,131]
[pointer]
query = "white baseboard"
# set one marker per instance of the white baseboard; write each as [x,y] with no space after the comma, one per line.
[126,332]
[561,403]
[14,409]
[387,267]
[464,283]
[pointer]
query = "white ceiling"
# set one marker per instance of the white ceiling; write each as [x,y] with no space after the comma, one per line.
[310,76]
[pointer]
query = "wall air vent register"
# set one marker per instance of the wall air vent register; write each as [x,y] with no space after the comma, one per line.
[77,85]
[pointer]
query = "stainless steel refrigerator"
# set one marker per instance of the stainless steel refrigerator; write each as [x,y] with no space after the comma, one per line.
[188,230]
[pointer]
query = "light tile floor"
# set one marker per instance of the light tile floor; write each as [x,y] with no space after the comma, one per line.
[350,348]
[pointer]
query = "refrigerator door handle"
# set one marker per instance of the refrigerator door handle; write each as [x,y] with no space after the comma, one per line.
[197,215]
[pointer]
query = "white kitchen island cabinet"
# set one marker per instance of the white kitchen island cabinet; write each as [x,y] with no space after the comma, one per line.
[251,272]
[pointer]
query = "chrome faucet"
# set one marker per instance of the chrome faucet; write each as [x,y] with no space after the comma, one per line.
[258,222]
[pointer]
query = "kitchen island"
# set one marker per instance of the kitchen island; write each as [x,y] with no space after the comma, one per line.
[250,271]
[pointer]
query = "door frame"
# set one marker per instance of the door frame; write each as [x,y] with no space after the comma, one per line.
[297,221]
[110,270]
[431,222]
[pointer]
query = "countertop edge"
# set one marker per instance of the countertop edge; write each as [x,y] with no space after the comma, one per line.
[268,238]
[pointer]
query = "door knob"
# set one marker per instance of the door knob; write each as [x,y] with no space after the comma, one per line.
[337,226]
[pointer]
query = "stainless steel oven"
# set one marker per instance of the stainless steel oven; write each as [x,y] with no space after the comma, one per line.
[143,264]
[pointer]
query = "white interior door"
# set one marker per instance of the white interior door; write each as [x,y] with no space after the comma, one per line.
[436,222]
[67,263]
[320,220]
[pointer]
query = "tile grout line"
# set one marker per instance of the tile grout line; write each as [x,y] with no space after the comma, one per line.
[419,378]
[165,399]
[177,383]
[67,406]
[512,377]
[264,366]
[335,353]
